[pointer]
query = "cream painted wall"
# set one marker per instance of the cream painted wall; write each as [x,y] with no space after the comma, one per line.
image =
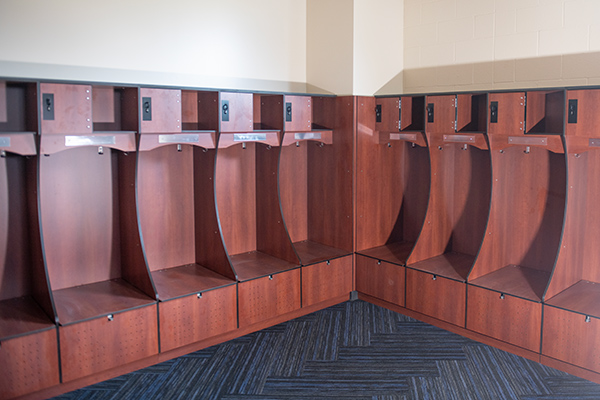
[378,46]
[495,44]
[258,44]
[329,45]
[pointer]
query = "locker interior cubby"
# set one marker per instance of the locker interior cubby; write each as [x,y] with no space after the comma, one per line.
[471,113]
[575,284]
[314,179]
[545,112]
[92,245]
[393,179]
[459,203]
[523,234]
[246,191]
[178,220]
[25,302]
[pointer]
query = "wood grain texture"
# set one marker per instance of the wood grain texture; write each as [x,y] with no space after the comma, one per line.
[210,247]
[165,198]
[269,112]
[444,108]
[511,114]
[301,113]
[187,279]
[103,104]
[22,315]
[390,113]
[271,234]
[545,112]
[312,252]
[524,232]
[528,283]
[326,280]
[265,298]
[191,319]
[439,298]
[521,319]
[93,346]
[255,264]
[380,279]
[293,189]
[166,109]
[471,112]
[395,253]
[189,110]
[330,183]
[578,253]
[30,363]
[449,265]
[208,111]
[412,113]
[72,109]
[588,119]
[240,112]
[583,297]
[79,303]
[569,338]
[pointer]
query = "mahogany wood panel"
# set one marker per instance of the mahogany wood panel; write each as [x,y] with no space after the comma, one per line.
[165,184]
[189,110]
[80,224]
[464,115]
[121,109]
[390,113]
[395,253]
[588,118]
[235,183]
[72,109]
[449,265]
[516,280]
[29,364]
[578,254]
[380,279]
[20,107]
[22,315]
[312,252]
[269,112]
[99,344]
[545,112]
[330,182]
[293,189]
[265,298]
[326,280]
[568,337]
[301,113]
[583,297]
[210,249]
[435,296]
[166,110]
[187,279]
[255,264]
[240,112]
[103,104]
[271,234]
[90,301]
[191,319]
[512,320]
[526,231]
[3,102]
[412,113]
[209,111]
[444,109]
[511,114]
[20,143]
[471,112]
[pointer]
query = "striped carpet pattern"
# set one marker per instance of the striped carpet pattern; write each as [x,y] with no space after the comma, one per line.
[354,351]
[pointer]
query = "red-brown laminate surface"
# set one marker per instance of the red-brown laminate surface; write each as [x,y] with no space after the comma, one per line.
[588,118]
[326,280]
[311,252]
[450,265]
[380,279]
[72,109]
[583,297]
[390,113]
[255,264]
[516,280]
[240,112]
[436,296]
[22,315]
[103,104]
[186,279]
[444,109]
[301,113]
[191,319]
[509,319]
[166,110]
[267,297]
[396,253]
[99,344]
[293,189]
[511,114]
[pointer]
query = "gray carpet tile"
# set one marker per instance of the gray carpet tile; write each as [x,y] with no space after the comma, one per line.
[353,351]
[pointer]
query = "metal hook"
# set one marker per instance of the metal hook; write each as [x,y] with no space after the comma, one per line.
[100,150]
[244,145]
[321,144]
[297,144]
[269,147]
[199,295]
[179,149]
[3,154]
[413,145]
[527,150]
[389,144]
[465,146]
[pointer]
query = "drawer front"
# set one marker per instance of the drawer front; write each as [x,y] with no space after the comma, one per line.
[321,282]
[71,106]
[567,337]
[264,298]
[436,296]
[99,344]
[509,113]
[380,279]
[191,319]
[160,110]
[29,363]
[511,319]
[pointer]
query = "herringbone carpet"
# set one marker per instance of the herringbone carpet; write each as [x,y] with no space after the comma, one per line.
[354,350]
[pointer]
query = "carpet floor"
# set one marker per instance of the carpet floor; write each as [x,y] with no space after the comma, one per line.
[354,350]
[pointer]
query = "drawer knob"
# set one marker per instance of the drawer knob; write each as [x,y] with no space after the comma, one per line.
[110,317]
[502,296]
[378,262]
[434,277]
[587,318]
[270,277]
[199,295]
[328,262]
